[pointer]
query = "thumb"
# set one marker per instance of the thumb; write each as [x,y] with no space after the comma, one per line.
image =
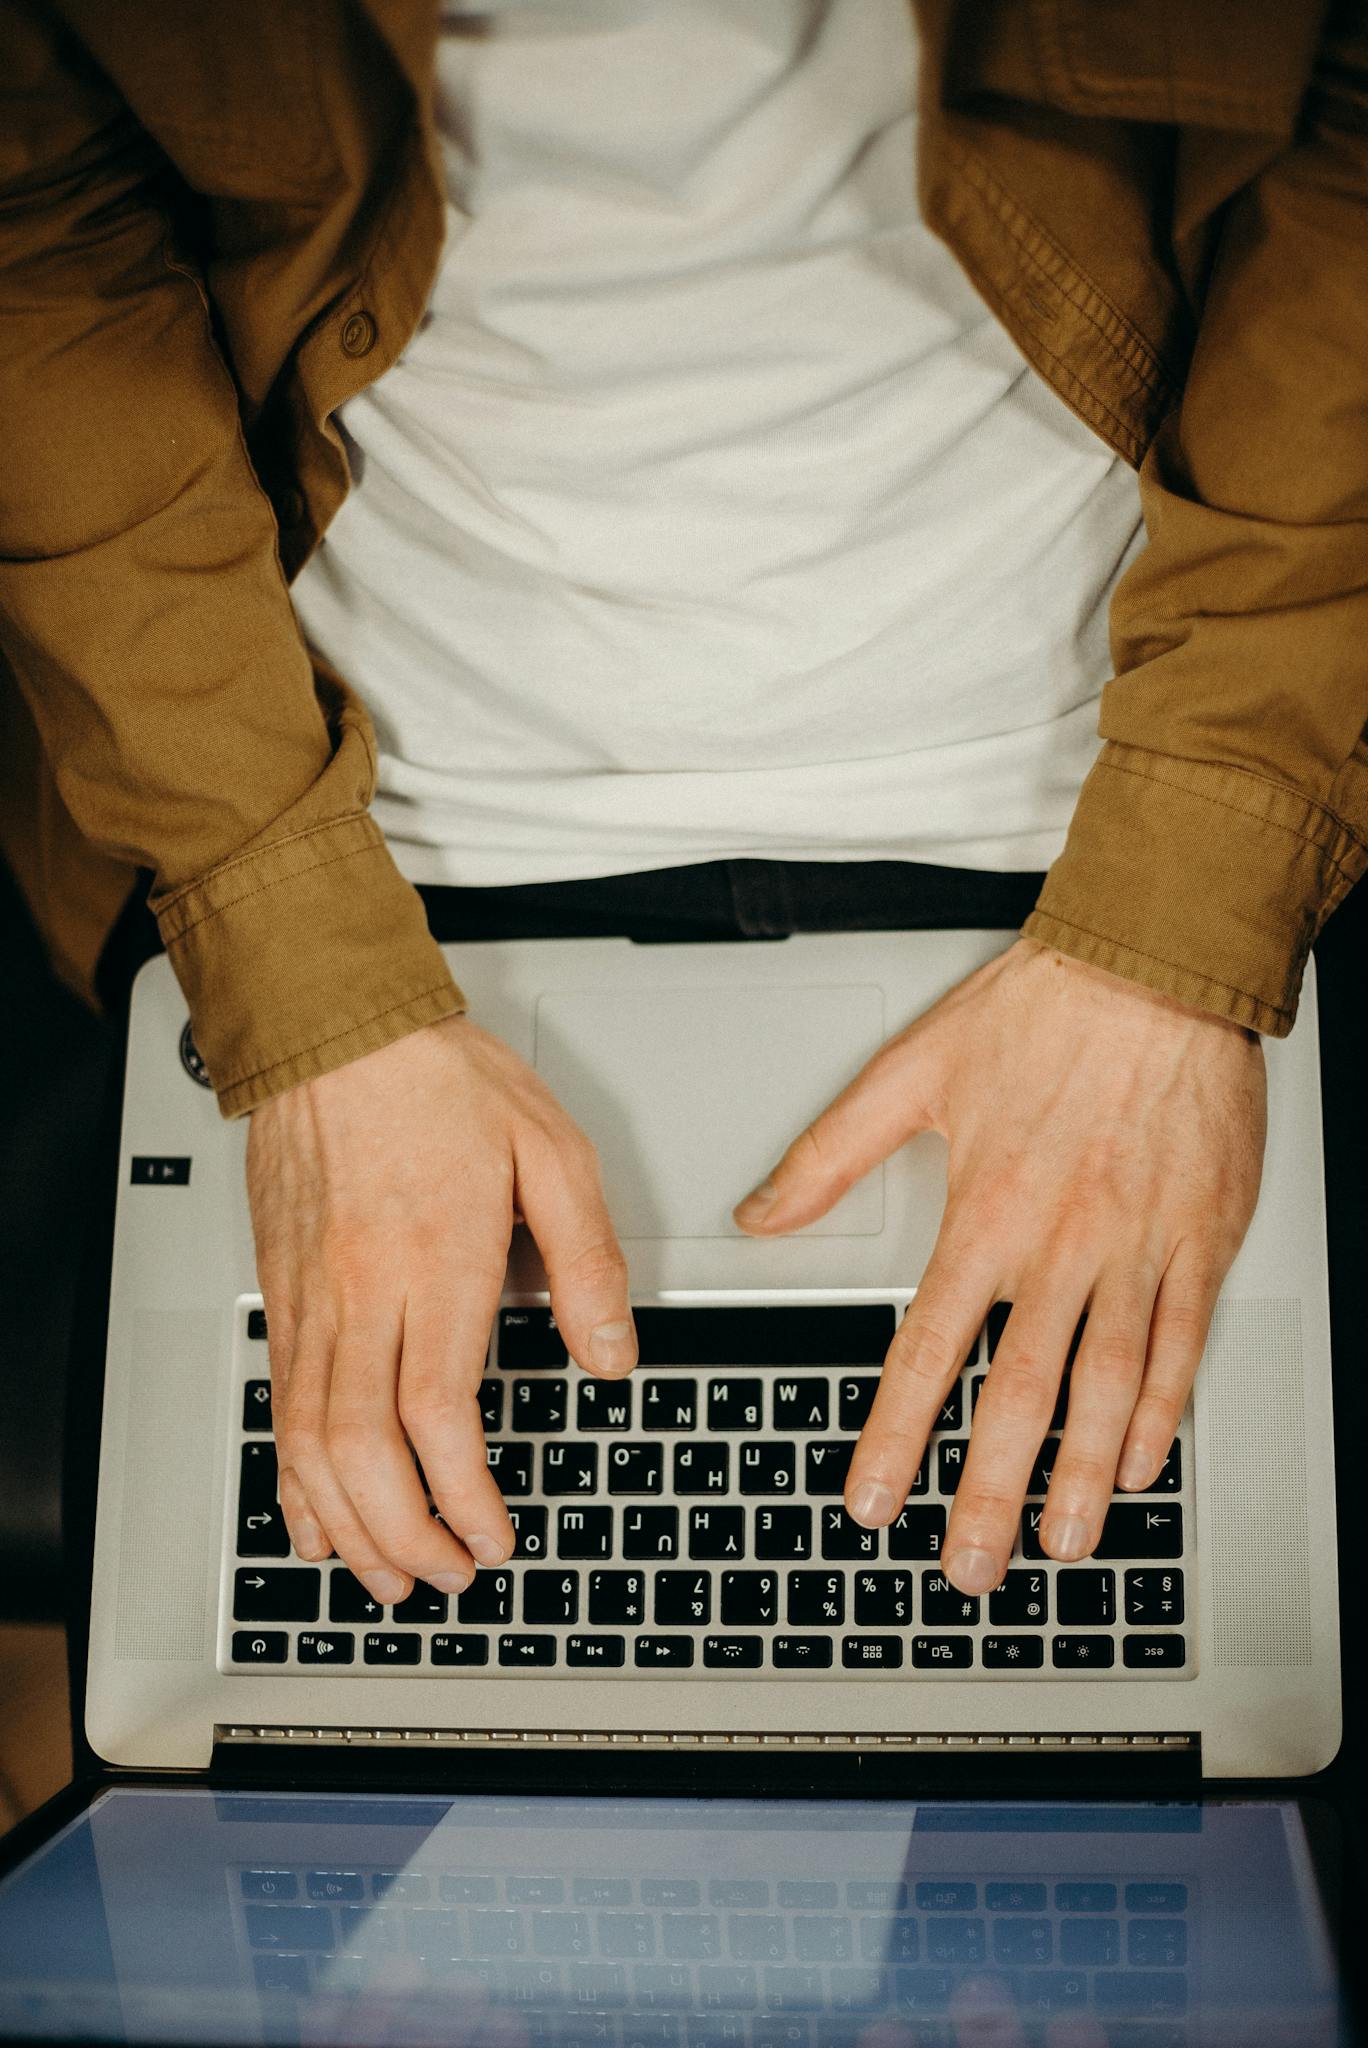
[887,1103]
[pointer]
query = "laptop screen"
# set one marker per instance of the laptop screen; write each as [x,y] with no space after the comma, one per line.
[201,1916]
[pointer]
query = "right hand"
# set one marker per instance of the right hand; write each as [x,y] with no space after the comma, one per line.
[383,1197]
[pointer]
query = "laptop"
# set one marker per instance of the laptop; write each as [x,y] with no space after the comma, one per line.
[686,1578]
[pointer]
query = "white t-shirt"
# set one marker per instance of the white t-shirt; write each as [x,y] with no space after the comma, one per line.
[709,512]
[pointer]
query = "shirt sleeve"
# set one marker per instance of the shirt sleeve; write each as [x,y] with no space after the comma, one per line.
[1227,813]
[147,619]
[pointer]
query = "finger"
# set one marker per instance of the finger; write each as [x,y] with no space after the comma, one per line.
[929,1349]
[1010,1422]
[301,1423]
[446,1340]
[370,1455]
[887,1103]
[1102,1392]
[307,1536]
[984,2014]
[1178,1332]
[560,1193]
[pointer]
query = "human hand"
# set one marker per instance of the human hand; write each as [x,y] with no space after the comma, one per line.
[1105,1151]
[383,1197]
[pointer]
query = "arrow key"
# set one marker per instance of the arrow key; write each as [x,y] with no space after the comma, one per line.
[269,1594]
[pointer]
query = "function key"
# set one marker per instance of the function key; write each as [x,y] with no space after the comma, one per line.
[1154,1653]
[263,1646]
[734,1404]
[256,1325]
[1013,1653]
[603,1404]
[947,1897]
[462,1888]
[600,1650]
[1083,1653]
[733,1653]
[876,1895]
[603,1891]
[872,1653]
[529,1341]
[387,1649]
[335,1884]
[460,1649]
[1085,1898]
[1141,1529]
[1156,1898]
[741,1894]
[410,1885]
[675,1894]
[518,1651]
[801,1404]
[856,1398]
[669,1404]
[269,1884]
[327,1648]
[256,1405]
[1015,1898]
[1155,1597]
[942,1653]
[800,1653]
[664,1653]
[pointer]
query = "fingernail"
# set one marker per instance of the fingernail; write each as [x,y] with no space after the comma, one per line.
[872,1504]
[611,1348]
[486,1549]
[757,1204]
[972,1571]
[450,1582]
[386,1587]
[1135,1467]
[1067,1539]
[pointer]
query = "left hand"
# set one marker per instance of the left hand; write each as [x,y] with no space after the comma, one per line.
[1105,1151]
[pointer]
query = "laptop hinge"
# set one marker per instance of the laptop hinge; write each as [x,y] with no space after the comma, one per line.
[672,1739]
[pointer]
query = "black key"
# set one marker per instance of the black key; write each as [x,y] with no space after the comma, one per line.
[261,1528]
[1031,1545]
[883,1599]
[1043,1469]
[1157,1944]
[828,1463]
[1154,1653]
[636,1468]
[424,1603]
[956,1941]
[844,1538]
[872,1653]
[1023,1596]
[270,1884]
[683,1599]
[1147,1994]
[529,1527]
[539,1405]
[942,1653]
[584,1532]
[290,1927]
[529,1341]
[1142,1529]
[1085,1898]
[951,1414]
[997,1323]
[348,1599]
[950,1463]
[1017,1898]
[331,1648]
[717,1532]
[750,1599]
[569,1468]
[839,1334]
[266,1593]
[783,1532]
[260,1646]
[856,1397]
[618,1597]
[733,1653]
[256,1405]
[734,1404]
[664,1653]
[918,1532]
[669,1404]
[801,1404]
[767,1468]
[387,1649]
[1090,1944]
[510,1467]
[488,1598]
[1156,1898]
[256,1325]
[602,1650]
[701,1468]
[650,1532]
[491,1404]
[460,1649]
[801,1653]
[815,1599]
[1169,1477]
[1154,1598]
[603,1404]
[531,1650]
[1085,1599]
[1084,1653]
[1013,1653]
[944,1606]
[550,1596]
[943,1897]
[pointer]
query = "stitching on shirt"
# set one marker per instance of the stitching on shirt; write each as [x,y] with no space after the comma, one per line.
[239,860]
[314,865]
[376,1017]
[1222,803]
[1157,960]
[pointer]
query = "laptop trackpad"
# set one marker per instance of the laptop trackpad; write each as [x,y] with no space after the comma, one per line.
[692,1095]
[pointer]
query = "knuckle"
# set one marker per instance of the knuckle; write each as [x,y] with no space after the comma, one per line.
[430,1410]
[926,1349]
[350,1443]
[598,1265]
[1021,1386]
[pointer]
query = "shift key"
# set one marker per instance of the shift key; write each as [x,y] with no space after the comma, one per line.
[261,1593]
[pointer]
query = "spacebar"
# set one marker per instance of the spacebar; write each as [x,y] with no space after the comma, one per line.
[829,1333]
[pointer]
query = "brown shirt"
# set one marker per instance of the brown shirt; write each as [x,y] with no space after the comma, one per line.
[217,224]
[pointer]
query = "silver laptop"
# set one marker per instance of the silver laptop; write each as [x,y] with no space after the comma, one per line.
[686,1576]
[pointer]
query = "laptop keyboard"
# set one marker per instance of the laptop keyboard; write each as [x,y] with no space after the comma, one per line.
[609,1960]
[688,1520]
